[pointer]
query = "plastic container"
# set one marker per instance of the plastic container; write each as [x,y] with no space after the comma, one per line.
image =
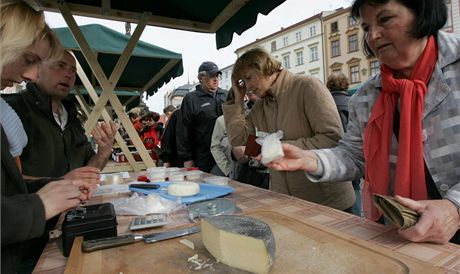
[216,180]
[193,174]
[156,174]
[176,176]
[113,178]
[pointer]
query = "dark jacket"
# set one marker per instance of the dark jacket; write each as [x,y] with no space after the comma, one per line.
[50,152]
[168,141]
[200,110]
[341,98]
[23,214]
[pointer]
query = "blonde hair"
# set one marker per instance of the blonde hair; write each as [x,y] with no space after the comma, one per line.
[258,59]
[20,27]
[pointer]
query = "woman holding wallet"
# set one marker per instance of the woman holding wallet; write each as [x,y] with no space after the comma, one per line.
[403,128]
[300,106]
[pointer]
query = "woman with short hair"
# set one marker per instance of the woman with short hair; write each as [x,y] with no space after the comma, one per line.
[403,130]
[300,106]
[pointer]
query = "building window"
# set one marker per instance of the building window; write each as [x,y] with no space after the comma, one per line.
[314,74]
[334,27]
[353,43]
[314,53]
[285,41]
[298,36]
[273,46]
[336,70]
[286,62]
[352,21]
[312,30]
[335,48]
[375,68]
[354,74]
[299,56]
[226,74]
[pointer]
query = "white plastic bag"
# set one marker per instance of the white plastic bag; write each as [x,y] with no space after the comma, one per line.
[271,147]
[145,204]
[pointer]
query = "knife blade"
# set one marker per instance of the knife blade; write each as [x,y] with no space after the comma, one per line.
[156,237]
[109,242]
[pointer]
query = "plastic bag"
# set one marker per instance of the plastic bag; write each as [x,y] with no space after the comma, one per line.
[271,147]
[145,204]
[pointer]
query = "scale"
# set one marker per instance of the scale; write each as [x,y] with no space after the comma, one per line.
[215,207]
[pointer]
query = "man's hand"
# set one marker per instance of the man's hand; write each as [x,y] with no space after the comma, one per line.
[438,222]
[238,152]
[295,159]
[89,174]
[58,196]
[104,135]
[188,164]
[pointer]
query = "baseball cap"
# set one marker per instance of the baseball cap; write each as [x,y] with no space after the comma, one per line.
[210,68]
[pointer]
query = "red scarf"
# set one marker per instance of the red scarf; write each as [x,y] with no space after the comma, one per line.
[410,172]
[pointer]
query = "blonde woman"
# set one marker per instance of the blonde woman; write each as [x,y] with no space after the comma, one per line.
[25,212]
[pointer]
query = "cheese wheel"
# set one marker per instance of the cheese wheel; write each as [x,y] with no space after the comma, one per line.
[183,189]
[239,241]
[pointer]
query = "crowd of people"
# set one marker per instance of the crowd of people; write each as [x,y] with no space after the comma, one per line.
[397,135]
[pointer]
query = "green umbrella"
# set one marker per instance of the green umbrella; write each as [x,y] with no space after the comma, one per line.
[145,62]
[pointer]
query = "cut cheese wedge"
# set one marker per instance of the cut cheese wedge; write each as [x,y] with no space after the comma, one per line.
[183,189]
[239,241]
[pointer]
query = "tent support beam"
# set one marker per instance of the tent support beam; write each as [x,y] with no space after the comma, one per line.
[80,99]
[108,85]
[92,93]
[230,10]
[130,100]
[163,71]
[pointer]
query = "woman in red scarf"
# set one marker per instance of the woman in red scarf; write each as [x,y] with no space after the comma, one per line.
[404,124]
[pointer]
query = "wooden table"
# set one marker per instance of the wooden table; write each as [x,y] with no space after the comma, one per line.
[348,243]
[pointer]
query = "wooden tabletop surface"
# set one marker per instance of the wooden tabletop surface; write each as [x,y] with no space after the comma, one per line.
[309,237]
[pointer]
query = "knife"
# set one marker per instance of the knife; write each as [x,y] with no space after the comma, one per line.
[108,242]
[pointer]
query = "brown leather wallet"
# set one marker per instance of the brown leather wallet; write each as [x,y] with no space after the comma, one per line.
[252,147]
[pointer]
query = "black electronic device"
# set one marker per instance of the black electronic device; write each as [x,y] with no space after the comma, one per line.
[91,222]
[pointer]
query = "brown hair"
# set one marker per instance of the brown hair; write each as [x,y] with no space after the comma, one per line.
[258,59]
[337,81]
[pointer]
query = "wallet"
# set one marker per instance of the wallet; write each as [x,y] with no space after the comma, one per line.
[252,147]
[400,215]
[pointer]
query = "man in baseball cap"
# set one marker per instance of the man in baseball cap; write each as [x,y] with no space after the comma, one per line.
[200,109]
[210,68]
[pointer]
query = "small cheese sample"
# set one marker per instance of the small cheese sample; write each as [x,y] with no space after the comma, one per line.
[239,241]
[183,189]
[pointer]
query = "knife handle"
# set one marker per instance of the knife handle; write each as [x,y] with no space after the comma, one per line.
[108,242]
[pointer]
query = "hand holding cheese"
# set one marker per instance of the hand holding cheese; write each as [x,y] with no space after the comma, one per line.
[239,241]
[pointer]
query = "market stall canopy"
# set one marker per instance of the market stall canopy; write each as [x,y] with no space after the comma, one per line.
[223,17]
[146,61]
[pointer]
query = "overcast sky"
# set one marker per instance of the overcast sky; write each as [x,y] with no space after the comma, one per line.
[198,47]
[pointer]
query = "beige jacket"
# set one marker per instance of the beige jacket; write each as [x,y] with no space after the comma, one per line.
[303,108]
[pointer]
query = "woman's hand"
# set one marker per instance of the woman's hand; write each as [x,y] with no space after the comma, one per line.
[58,196]
[438,222]
[295,159]
[238,91]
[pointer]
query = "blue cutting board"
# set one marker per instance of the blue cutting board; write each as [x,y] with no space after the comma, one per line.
[207,192]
